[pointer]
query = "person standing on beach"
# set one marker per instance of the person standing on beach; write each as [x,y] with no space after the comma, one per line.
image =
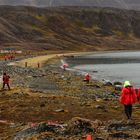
[87,77]
[64,66]
[128,98]
[6,81]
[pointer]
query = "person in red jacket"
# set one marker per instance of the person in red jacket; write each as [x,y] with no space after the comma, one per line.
[65,66]
[128,97]
[87,77]
[6,80]
[5,57]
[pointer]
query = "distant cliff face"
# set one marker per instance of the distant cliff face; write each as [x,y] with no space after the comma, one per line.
[69,28]
[127,4]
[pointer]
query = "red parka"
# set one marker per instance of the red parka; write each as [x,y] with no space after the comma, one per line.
[64,66]
[6,79]
[128,96]
[87,77]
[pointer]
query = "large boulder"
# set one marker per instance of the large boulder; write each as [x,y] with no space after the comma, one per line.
[79,126]
[118,85]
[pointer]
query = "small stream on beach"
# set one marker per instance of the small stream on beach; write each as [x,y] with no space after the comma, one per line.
[113,66]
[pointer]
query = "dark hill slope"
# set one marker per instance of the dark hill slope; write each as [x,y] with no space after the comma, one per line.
[124,4]
[69,28]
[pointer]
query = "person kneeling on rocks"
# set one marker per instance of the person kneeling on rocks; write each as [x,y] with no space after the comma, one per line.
[6,80]
[128,97]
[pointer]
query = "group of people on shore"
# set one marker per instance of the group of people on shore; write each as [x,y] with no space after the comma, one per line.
[9,57]
[128,94]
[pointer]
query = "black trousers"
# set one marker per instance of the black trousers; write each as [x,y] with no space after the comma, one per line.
[128,110]
[7,85]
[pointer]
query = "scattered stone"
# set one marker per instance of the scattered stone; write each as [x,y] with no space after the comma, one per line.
[118,87]
[117,83]
[98,99]
[42,105]
[99,107]
[79,125]
[116,107]
[107,82]
[106,99]
[98,138]
[138,137]
[121,126]
[83,104]
[3,93]
[43,127]
[95,85]
[18,95]
[120,135]
[60,110]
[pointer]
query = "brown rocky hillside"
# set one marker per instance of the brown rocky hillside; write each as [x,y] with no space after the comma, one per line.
[69,28]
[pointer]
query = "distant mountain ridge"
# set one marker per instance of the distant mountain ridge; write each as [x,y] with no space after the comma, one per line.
[124,4]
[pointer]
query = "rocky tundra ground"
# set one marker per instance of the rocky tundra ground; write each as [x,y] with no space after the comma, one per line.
[49,103]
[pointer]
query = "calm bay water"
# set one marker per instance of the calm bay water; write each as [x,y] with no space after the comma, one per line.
[118,66]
